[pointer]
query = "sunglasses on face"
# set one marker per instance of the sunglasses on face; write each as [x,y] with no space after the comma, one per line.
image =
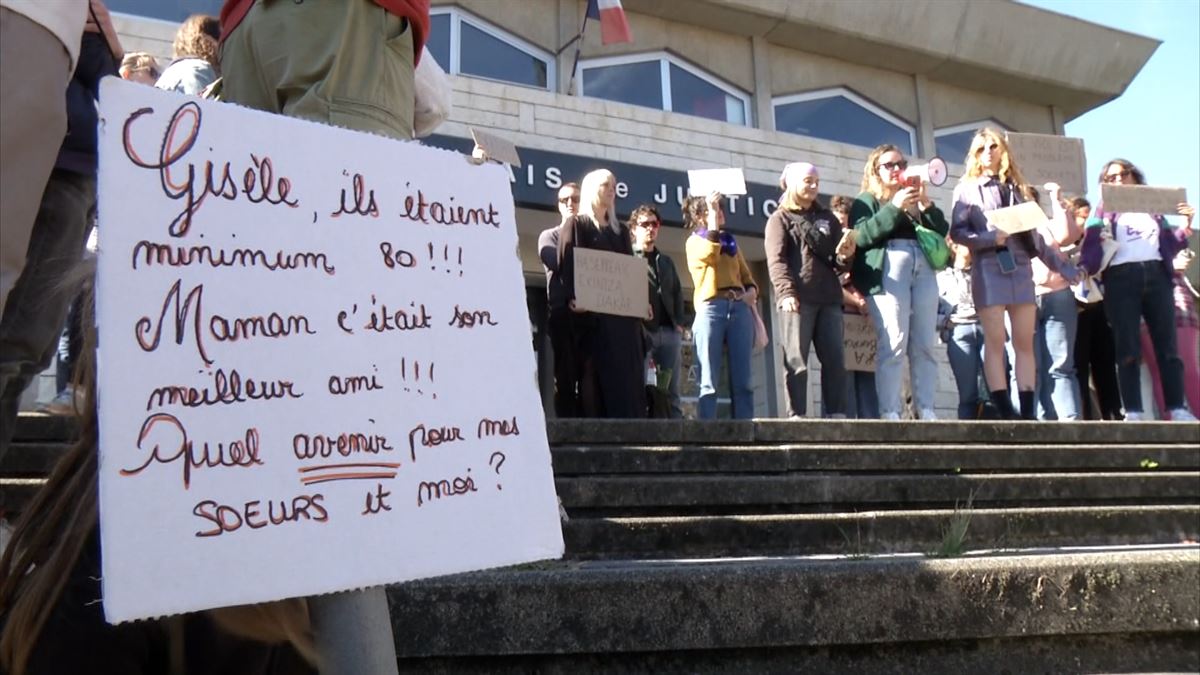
[993,147]
[893,166]
[1123,174]
[649,224]
[565,200]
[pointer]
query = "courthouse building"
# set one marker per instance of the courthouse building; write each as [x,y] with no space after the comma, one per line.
[739,83]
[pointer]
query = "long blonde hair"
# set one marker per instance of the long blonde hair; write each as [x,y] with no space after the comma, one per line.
[1008,173]
[590,201]
[870,179]
[56,524]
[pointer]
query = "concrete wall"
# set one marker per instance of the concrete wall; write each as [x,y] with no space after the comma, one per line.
[952,106]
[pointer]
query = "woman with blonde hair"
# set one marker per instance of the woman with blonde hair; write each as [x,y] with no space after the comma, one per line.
[195,65]
[613,349]
[1002,272]
[891,270]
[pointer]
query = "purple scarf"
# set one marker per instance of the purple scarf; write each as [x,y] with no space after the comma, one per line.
[728,243]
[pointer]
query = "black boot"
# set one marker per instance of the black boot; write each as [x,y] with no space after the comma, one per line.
[1028,408]
[1003,404]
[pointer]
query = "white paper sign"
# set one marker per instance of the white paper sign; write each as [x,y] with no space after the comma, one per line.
[1046,158]
[611,283]
[1142,199]
[726,181]
[315,368]
[859,342]
[1020,218]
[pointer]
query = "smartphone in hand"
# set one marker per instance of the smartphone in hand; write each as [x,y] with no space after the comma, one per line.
[1008,264]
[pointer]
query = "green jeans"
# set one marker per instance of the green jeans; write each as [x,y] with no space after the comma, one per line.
[347,63]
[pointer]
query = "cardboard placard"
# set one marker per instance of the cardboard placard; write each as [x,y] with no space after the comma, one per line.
[1046,158]
[611,283]
[859,342]
[701,182]
[497,147]
[1142,199]
[315,368]
[1020,218]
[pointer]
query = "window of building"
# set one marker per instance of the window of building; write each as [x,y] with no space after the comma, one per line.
[174,11]
[466,45]
[665,82]
[843,116]
[952,143]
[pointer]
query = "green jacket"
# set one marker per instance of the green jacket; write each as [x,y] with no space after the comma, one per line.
[873,226]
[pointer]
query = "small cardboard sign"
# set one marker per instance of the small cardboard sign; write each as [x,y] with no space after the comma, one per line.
[497,147]
[859,342]
[1020,218]
[1142,199]
[611,283]
[1046,158]
[701,182]
[315,371]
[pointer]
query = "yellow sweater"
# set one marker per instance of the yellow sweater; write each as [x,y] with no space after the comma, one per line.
[711,270]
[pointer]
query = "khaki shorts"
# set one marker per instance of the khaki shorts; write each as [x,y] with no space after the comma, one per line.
[347,63]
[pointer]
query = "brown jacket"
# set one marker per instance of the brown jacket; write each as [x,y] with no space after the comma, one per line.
[801,256]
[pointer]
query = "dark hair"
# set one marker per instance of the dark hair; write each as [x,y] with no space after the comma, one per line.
[1081,203]
[840,204]
[695,213]
[643,210]
[1138,176]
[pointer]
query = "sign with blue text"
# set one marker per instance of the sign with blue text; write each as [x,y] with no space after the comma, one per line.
[315,366]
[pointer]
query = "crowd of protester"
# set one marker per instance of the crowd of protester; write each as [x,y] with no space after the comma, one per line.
[1086,298]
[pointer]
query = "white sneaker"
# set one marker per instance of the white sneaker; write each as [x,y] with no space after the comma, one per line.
[1133,417]
[1182,415]
[891,416]
[929,415]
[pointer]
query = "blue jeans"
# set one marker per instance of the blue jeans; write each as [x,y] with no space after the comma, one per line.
[964,350]
[665,347]
[1133,291]
[861,400]
[1054,347]
[721,323]
[905,316]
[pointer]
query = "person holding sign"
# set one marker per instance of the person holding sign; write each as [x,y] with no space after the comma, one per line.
[1137,285]
[801,240]
[1002,275]
[725,290]
[891,269]
[611,347]
[1095,358]
[1057,320]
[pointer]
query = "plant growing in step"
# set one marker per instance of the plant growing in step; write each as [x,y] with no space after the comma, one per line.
[954,534]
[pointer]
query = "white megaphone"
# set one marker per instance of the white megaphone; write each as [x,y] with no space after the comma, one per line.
[933,173]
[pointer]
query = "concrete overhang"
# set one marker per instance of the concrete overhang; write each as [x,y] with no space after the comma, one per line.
[994,46]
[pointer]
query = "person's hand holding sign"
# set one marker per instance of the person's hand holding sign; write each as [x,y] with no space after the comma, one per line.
[1189,213]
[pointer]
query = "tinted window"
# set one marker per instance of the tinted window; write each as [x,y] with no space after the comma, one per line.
[439,39]
[636,83]
[485,56]
[694,96]
[954,147]
[167,10]
[837,118]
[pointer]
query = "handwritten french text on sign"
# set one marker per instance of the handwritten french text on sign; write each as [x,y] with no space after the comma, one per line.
[859,342]
[315,369]
[1046,158]
[611,283]
[1020,218]
[1142,199]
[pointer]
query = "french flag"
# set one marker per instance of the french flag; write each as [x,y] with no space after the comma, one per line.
[614,27]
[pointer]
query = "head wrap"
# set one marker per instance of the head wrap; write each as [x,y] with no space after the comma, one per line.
[795,172]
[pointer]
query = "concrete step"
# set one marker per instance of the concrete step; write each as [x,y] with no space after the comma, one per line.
[735,492]
[738,616]
[855,534]
[573,460]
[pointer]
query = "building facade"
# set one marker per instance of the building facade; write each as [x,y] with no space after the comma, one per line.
[738,83]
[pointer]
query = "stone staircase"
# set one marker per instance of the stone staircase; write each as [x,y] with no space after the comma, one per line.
[824,547]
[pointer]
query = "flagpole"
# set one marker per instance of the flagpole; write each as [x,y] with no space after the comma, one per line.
[578,46]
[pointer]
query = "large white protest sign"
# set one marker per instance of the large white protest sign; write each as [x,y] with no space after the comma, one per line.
[315,367]
[1046,158]
[1020,218]
[1142,199]
[611,283]
[859,342]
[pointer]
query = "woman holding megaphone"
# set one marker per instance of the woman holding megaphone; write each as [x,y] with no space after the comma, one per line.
[892,270]
[1002,274]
